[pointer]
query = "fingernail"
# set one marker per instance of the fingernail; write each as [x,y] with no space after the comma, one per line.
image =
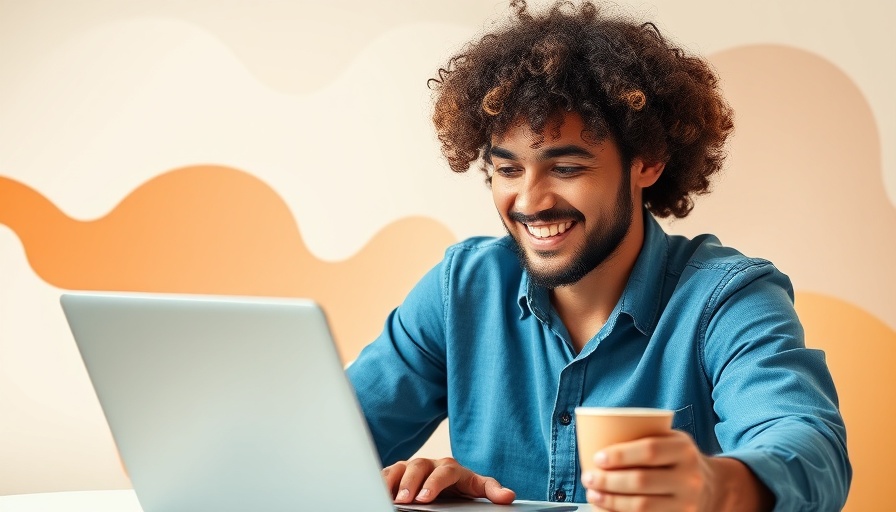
[598,497]
[600,458]
[403,494]
[424,494]
[587,479]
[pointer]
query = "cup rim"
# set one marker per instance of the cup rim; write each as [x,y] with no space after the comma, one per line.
[623,411]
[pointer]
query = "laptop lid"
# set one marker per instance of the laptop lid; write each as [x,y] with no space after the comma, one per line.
[227,404]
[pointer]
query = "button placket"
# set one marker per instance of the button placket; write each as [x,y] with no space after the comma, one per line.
[565,418]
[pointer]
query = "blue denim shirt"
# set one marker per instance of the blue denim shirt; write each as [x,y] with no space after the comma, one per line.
[700,329]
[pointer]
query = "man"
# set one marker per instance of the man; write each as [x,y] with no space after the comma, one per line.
[587,127]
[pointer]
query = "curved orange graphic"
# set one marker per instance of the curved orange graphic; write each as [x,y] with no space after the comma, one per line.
[861,353]
[803,185]
[217,230]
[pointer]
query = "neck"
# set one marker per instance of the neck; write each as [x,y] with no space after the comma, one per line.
[586,305]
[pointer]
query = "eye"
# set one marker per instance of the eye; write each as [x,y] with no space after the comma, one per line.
[507,171]
[567,170]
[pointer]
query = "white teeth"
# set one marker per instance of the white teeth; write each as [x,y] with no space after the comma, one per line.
[548,231]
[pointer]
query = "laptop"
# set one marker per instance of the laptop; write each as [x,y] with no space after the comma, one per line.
[231,404]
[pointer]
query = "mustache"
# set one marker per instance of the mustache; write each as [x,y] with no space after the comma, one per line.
[554,214]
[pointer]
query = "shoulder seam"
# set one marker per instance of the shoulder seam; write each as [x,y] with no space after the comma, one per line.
[732,271]
[446,276]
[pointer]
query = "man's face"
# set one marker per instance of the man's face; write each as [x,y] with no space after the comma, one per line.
[567,202]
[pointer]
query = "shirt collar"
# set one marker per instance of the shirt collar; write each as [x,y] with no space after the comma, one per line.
[641,297]
[533,299]
[642,294]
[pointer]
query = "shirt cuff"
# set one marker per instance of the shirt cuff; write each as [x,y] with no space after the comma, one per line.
[772,471]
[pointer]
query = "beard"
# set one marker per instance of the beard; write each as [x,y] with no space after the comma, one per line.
[600,243]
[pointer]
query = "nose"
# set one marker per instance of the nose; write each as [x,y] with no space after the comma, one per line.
[534,195]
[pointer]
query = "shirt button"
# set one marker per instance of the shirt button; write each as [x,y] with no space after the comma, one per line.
[565,418]
[560,495]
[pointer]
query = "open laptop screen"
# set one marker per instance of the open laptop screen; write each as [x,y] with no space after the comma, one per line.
[227,403]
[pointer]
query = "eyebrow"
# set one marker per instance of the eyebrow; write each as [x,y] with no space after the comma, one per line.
[568,150]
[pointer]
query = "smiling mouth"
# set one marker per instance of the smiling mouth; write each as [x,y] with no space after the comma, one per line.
[549,230]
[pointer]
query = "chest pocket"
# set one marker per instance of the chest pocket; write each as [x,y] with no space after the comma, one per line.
[684,420]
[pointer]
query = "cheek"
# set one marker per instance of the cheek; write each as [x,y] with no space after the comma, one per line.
[502,197]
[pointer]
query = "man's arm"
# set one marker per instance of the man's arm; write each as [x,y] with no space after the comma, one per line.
[780,429]
[401,385]
[733,486]
[400,379]
[775,399]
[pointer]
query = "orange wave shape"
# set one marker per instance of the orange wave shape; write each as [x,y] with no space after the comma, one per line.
[861,353]
[217,230]
[803,185]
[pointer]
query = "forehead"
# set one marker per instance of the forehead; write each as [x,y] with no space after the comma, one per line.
[568,128]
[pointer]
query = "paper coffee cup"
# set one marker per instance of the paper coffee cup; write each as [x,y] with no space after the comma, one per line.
[599,427]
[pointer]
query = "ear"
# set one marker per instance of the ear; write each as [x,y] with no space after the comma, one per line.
[645,174]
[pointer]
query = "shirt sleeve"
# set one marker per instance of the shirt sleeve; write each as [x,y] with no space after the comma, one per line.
[775,399]
[400,378]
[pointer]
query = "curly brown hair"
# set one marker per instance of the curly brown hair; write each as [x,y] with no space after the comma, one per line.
[623,77]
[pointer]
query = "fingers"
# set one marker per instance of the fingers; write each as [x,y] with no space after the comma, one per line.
[656,473]
[409,484]
[675,448]
[620,502]
[497,493]
[656,481]
[477,486]
[445,474]
[392,476]
[423,480]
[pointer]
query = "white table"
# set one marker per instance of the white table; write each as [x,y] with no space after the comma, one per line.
[75,501]
[102,501]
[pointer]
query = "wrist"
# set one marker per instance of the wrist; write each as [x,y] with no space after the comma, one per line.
[733,487]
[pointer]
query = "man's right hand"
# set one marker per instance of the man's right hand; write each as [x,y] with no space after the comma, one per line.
[422,480]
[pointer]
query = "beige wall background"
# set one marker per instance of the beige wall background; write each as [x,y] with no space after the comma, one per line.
[271,147]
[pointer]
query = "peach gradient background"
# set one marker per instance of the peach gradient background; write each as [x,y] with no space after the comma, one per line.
[276,148]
